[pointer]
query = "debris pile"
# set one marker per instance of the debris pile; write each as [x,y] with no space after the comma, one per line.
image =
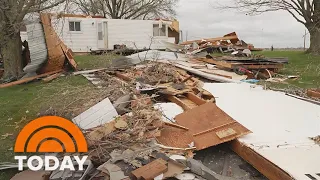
[158,114]
[228,43]
[47,55]
[227,57]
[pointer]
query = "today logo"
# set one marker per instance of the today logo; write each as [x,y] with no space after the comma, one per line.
[51,134]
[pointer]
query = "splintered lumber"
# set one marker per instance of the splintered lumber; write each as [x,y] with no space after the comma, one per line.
[210,40]
[56,48]
[21,81]
[263,165]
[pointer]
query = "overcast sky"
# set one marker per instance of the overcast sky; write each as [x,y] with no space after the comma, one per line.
[202,20]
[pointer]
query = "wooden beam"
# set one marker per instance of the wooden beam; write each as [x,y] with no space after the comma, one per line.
[232,65]
[21,81]
[194,98]
[178,102]
[52,77]
[264,166]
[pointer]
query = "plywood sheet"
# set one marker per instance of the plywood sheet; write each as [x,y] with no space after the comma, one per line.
[175,137]
[208,125]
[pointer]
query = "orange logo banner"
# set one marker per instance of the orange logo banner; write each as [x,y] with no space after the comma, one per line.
[50,134]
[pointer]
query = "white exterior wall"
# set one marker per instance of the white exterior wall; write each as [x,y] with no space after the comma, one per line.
[119,31]
[129,32]
[24,36]
[78,41]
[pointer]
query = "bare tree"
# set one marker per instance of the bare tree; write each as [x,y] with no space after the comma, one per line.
[12,13]
[306,12]
[128,9]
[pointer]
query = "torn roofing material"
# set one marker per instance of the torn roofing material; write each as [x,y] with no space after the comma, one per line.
[281,127]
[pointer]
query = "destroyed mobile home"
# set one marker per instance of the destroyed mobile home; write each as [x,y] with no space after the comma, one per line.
[165,107]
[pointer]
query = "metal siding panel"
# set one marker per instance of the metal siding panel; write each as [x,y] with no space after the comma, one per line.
[37,46]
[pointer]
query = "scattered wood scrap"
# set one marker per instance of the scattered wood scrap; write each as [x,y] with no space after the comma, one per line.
[21,81]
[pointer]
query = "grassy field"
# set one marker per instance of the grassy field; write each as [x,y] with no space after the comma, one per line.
[66,96]
[306,66]
[70,95]
[93,61]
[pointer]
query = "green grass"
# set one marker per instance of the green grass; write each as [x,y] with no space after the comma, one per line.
[86,62]
[306,66]
[66,97]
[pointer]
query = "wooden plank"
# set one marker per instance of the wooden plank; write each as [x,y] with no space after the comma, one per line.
[258,66]
[232,65]
[52,77]
[123,77]
[69,56]
[223,64]
[21,81]
[264,166]
[151,170]
[205,121]
[178,102]
[315,93]
[213,129]
[194,98]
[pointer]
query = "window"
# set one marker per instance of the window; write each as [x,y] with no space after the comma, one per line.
[159,31]
[74,26]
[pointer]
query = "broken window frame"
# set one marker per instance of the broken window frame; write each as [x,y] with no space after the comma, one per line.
[160,33]
[74,27]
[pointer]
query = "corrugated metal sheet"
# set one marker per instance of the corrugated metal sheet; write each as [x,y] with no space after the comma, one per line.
[37,45]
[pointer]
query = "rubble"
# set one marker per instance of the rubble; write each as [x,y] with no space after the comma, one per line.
[160,111]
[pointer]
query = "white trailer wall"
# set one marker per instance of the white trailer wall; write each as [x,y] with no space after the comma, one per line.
[136,34]
[24,36]
[78,41]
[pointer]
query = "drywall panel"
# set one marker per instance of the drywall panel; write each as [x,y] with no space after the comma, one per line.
[281,125]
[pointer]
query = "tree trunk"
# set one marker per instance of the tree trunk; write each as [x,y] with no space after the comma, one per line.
[314,40]
[11,52]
